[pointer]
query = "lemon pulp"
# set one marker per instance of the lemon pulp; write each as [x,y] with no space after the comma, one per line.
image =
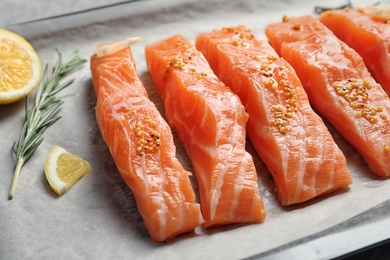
[63,169]
[20,67]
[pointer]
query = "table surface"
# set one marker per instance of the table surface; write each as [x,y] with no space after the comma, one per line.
[18,11]
[21,11]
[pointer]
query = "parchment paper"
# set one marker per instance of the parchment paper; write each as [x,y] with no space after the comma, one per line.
[97,218]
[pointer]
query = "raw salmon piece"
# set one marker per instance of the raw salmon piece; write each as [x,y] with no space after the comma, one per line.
[210,121]
[289,136]
[367,35]
[338,85]
[141,144]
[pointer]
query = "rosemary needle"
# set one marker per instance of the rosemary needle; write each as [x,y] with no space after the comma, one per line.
[319,9]
[43,112]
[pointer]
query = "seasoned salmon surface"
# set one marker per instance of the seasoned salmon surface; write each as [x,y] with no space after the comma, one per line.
[369,35]
[141,144]
[211,123]
[338,85]
[288,135]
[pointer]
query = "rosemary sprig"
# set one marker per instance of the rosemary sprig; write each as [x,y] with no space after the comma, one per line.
[319,9]
[43,112]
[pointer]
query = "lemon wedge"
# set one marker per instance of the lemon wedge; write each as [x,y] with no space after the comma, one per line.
[63,169]
[20,67]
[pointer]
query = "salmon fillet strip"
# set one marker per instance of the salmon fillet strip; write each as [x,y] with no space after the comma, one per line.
[210,121]
[141,144]
[288,135]
[366,34]
[338,85]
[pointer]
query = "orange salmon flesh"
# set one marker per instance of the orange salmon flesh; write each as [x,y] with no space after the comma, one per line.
[367,35]
[289,136]
[210,121]
[338,85]
[141,144]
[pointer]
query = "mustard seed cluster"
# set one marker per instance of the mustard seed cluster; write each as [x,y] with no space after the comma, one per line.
[354,91]
[176,63]
[179,62]
[148,136]
[295,27]
[242,38]
[281,112]
[280,119]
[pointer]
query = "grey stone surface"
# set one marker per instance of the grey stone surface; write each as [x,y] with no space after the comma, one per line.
[17,11]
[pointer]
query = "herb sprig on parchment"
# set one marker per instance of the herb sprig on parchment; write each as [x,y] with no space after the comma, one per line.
[321,9]
[43,112]
[348,5]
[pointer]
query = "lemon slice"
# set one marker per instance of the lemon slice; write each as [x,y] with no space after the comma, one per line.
[20,67]
[63,169]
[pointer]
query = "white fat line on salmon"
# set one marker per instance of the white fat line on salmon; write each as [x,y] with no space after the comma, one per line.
[320,156]
[114,146]
[197,91]
[302,156]
[226,163]
[383,159]
[181,198]
[112,86]
[284,153]
[220,170]
[239,184]
[129,103]
[333,170]
[321,151]
[163,209]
